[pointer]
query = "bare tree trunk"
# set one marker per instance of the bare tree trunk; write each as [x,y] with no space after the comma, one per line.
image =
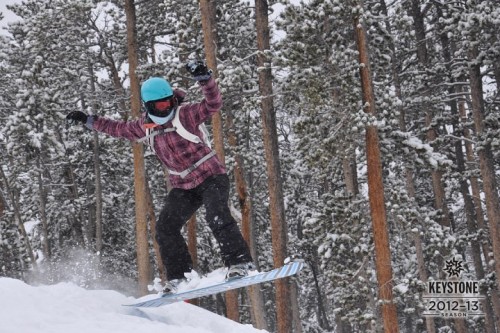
[486,163]
[152,227]
[97,171]
[322,311]
[207,8]
[422,55]
[277,207]
[469,209]
[409,179]
[22,230]
[351,182]
[472,228]
[3,202]
[474,182]
[294,294]
[143,263]
[43,211]
[14,198]
[192,241]
[376,190]
[350,174]
[437,182]
[149,198]
[476,197]
[98,195]
[254,292]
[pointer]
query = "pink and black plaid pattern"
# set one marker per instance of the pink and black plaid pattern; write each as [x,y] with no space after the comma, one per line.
[175,152]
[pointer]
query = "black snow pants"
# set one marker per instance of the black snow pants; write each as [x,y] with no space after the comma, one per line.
[180,205]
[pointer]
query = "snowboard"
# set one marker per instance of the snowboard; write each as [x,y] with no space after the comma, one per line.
[286,270]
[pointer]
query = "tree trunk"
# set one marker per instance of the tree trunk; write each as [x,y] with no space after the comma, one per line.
[152,227]
[486,163]
[254,292]
[192,241]
[43,211]
[376,190]
[409,179]
[14,198]
[350,174]
[277,207]
[431,135]
[294,294]
[207,8]
[475,248]
[22,230]
[322,311]
[476,196]
[143,263]
[97,171]
[3,202]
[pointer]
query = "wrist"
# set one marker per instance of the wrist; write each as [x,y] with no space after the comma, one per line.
[210,81]
[90,122]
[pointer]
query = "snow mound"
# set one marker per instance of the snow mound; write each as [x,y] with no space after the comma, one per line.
[66,307]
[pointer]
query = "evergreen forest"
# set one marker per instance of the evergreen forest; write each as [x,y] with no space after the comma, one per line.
[422,95]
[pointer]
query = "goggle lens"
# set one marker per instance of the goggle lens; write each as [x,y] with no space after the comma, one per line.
[163,105]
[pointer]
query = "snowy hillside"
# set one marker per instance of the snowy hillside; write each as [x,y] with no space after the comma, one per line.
[65,307]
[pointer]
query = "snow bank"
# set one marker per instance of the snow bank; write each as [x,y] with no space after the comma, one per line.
[65,307]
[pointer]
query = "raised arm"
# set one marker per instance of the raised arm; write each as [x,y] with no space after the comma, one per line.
[212,103]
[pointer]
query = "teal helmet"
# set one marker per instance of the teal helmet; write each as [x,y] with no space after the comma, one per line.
[155,88]
[158,100]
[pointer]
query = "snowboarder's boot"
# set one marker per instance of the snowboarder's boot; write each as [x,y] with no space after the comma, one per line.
[171,286]
[238,271]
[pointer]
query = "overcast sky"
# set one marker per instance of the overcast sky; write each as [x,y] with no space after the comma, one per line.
[7,14]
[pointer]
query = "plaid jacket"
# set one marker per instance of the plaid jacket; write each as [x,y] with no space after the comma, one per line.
[175,152]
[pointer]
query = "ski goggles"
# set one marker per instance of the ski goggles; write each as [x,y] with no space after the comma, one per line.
[161,107]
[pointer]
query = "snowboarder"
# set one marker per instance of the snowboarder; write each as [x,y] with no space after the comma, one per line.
[172,128]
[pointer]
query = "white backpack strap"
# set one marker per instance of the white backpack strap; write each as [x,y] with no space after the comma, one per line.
[150,138]
[151,133]
[183,131]
[206,135]
[186,172]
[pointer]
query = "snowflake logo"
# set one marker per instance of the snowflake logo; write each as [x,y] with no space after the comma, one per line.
[453,268]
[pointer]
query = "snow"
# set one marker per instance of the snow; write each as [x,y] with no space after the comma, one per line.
[65,307]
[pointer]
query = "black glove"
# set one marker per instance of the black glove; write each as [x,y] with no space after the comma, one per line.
[75,117]
[199,70]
